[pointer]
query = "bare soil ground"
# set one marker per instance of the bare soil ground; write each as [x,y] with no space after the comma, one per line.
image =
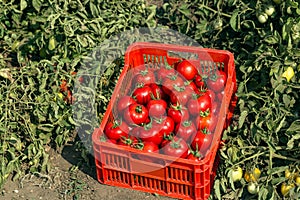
[66,181]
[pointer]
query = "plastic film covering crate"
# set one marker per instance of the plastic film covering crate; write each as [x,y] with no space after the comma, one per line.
[180,178]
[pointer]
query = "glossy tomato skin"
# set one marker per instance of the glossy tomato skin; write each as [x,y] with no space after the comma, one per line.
[187,69]
[142,94]
[176,147]
[136,114]
[217,82]
[157,91]
[151,133]
[149,147]
[145,76]
[220,96]
[193,107]
[166,125]
[199,82]
[115,130]
[165,71]
[181,95]
[202,142]
[178,113]
[169,82]
[208,122]
[186,130]
[211,94]
[124,102]
[157,107]
[205,103]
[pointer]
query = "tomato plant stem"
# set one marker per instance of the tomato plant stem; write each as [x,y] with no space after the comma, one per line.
[215,11]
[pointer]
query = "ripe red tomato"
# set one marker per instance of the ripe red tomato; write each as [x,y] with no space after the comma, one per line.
[142,94]
[195,156]
[217,81]
[181,95]
[193,106]
[165,71]
[157,91]
[167,139]
[169,82]
[148,147]
[177,147]
[191,85]
[208,122]
[220,96]
[215,108]
[145,77]
[166,125]
[178,113]
[200,83]
[187,69]
[202,141]
[124,102]
[64,86]
[151,133]
[186,130]
[114,130]
[211,94]
[129,141]
[136,114]
[157,108]
[205,103]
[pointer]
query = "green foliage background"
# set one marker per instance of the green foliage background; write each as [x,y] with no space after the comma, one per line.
[43,41]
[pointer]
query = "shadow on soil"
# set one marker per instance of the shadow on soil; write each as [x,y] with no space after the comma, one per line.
[74,154]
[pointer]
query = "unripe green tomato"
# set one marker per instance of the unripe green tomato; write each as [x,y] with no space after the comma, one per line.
[218,23]
[253,188]
[269,10]
[262,18]
[236,174]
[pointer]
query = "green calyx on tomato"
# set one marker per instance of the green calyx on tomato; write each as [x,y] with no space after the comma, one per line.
[205,113]
[178,88]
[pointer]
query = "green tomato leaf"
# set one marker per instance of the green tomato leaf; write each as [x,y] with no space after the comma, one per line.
[242,118]
[23,4]
[234,20]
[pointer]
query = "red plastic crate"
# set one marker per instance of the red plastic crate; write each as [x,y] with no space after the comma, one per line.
[180,178]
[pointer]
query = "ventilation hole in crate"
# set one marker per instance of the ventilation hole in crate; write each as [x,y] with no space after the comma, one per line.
[149,183]
[180,175]
[181,189]
[116,161]
[117,176]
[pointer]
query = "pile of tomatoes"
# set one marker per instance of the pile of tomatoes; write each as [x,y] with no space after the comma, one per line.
[169,109]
